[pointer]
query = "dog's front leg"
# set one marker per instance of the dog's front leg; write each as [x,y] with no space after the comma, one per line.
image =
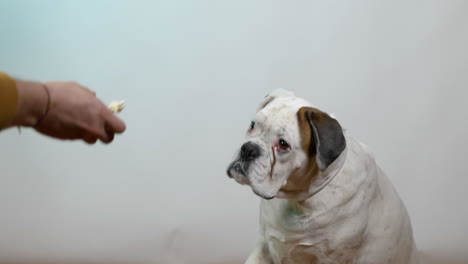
[260,255]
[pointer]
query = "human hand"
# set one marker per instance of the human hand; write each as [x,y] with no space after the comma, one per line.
[74,112]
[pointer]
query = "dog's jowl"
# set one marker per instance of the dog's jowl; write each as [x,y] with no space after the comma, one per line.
[324,198]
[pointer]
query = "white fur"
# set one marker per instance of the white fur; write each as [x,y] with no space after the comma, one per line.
[350,214]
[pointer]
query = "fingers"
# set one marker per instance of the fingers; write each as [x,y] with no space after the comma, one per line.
[103,126]
[109,132]
[98,133]
[79,114]
[107,138]
[90,139]
[113,123]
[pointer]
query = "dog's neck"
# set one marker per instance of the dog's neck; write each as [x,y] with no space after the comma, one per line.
[306,182]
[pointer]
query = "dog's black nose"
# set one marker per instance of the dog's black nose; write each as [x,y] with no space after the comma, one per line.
[250,151]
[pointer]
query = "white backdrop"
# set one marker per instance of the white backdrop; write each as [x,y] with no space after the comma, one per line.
[192,73]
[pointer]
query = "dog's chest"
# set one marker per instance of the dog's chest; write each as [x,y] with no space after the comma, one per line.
[288,221]
[294,233]
[284,214]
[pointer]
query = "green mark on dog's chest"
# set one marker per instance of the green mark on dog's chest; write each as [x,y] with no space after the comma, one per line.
[293,214]
[294,208]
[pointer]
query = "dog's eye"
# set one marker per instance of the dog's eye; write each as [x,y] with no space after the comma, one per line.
[252,125]
[283,145]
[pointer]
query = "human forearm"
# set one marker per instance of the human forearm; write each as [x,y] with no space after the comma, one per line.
[32,103]
[22,102]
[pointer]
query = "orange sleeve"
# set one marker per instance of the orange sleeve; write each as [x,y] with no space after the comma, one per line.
[8,99]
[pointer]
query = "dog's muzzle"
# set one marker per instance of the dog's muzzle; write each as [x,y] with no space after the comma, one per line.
[249,152]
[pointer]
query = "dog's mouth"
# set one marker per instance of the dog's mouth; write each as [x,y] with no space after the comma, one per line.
[237,167]
[237,171]
[264,196]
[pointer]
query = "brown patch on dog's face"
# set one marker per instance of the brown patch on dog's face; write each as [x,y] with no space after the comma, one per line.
[306,132]
[301,178]
[315,127]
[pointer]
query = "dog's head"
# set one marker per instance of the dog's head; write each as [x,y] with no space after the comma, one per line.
[289,142]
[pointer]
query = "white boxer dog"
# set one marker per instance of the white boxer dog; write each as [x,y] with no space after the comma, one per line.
[325,198]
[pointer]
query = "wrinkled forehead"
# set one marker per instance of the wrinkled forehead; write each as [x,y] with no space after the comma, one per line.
[281,111]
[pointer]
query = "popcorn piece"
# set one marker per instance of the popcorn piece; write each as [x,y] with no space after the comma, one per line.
[116,106]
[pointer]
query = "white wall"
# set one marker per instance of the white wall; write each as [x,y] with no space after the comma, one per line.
[192,73]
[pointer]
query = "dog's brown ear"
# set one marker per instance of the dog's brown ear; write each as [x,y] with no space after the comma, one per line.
[322,136]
